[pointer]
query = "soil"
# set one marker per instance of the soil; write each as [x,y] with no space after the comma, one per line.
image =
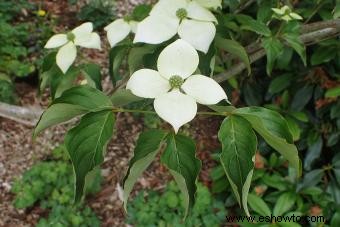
[18,151]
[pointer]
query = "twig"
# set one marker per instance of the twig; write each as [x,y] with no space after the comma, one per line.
[319,31]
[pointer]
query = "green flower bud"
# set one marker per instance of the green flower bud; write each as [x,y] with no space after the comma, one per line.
[182,13]
[70,36]
[176,81]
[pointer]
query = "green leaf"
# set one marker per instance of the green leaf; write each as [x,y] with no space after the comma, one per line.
[136,56]
[323,54]
[86,144]
[124,97]
[93,75]
[301,98]
[234,48]
[148,145]
[295,42]
[239,145]
[250,24]
[116,57]
[73,102]
[141,11]
[284,203]
[179,157]
[273,48]
[258,205]
[274,130]
[294,128]
[280,83]
[333,92]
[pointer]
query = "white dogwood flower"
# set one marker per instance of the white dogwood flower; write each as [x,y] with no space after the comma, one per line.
[80,36]
[285,13]
[174,87]
[193,22]
[119,30]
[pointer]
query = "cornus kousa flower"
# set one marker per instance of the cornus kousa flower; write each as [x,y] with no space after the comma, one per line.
[80,36]
[119,30]
[285,13]
[175,90]
[192,21]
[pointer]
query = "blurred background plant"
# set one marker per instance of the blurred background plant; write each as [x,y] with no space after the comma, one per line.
[50,184]
[23,31]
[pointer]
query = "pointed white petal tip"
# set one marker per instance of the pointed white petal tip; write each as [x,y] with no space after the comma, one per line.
[66,56]
[176,108]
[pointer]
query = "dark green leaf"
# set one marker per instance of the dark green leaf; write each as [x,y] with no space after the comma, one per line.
[86,144]
[250,24]
[280,83]
[239,145]
[234,48]
[148,145]
[141,11]
[323,54]
[295,42]
[179,157]
[273,48]
[314,151]
[136,56]
[74,102]
[93,75]
[274,130]
[310,179]
[301,98]
[116,57]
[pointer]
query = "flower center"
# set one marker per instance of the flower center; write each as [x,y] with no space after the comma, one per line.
[127,18]
[70,36]
[182,13]
[176,81]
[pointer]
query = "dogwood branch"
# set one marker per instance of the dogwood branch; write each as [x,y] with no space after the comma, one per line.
[315,32]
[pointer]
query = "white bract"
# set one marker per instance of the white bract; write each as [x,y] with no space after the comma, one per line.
[175,90]
[192,20]
[285,13]
[119,30]
[80,36]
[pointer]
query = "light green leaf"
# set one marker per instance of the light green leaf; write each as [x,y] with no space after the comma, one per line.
[250,24]
[284,203]
[273,48]
[73,102]
[239,145]
[333,92]
[179,157]
[148,145]
[86,144]
[258,205]
[234,48]
[274,130]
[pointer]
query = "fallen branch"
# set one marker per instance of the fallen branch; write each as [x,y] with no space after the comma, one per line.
[317,32]
[23,115]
